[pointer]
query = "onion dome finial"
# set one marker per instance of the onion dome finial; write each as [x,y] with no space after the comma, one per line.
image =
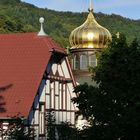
[90,34]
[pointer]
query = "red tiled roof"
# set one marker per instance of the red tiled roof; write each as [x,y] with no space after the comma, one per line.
[23,59]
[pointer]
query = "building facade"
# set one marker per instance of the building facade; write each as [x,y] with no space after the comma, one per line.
[36,79]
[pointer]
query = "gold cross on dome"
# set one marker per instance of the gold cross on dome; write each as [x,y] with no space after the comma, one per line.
[90,5]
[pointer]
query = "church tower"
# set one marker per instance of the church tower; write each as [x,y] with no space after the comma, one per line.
[86,40]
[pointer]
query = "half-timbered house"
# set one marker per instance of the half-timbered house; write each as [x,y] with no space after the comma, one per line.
[35,78]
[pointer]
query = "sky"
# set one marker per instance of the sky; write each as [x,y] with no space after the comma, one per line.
[125,8]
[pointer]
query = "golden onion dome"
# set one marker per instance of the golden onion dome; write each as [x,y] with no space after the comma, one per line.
[90,34]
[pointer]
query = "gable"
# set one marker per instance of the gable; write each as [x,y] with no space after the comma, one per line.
[55,93]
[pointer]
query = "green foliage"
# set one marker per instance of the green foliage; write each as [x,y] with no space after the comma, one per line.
[19,16]
[10,25]
[17,130]
[63,131]
[113,105]
[9,2]
[66,131]
[50,121]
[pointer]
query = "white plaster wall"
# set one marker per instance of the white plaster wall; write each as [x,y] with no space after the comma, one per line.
[54,68]
[65,69]
[60,70]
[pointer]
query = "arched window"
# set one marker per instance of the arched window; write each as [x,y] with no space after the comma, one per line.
[83,61]
[75,62]
[92,60]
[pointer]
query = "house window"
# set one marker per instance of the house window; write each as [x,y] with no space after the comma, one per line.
[75,62]
[83,62]
[92,60]
[42,118]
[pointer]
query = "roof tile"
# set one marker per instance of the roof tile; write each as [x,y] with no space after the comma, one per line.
[23,59]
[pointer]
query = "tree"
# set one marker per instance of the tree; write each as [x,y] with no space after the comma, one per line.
[62,131]
[50,121]
[112,106]
[17,130]
[66,131]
